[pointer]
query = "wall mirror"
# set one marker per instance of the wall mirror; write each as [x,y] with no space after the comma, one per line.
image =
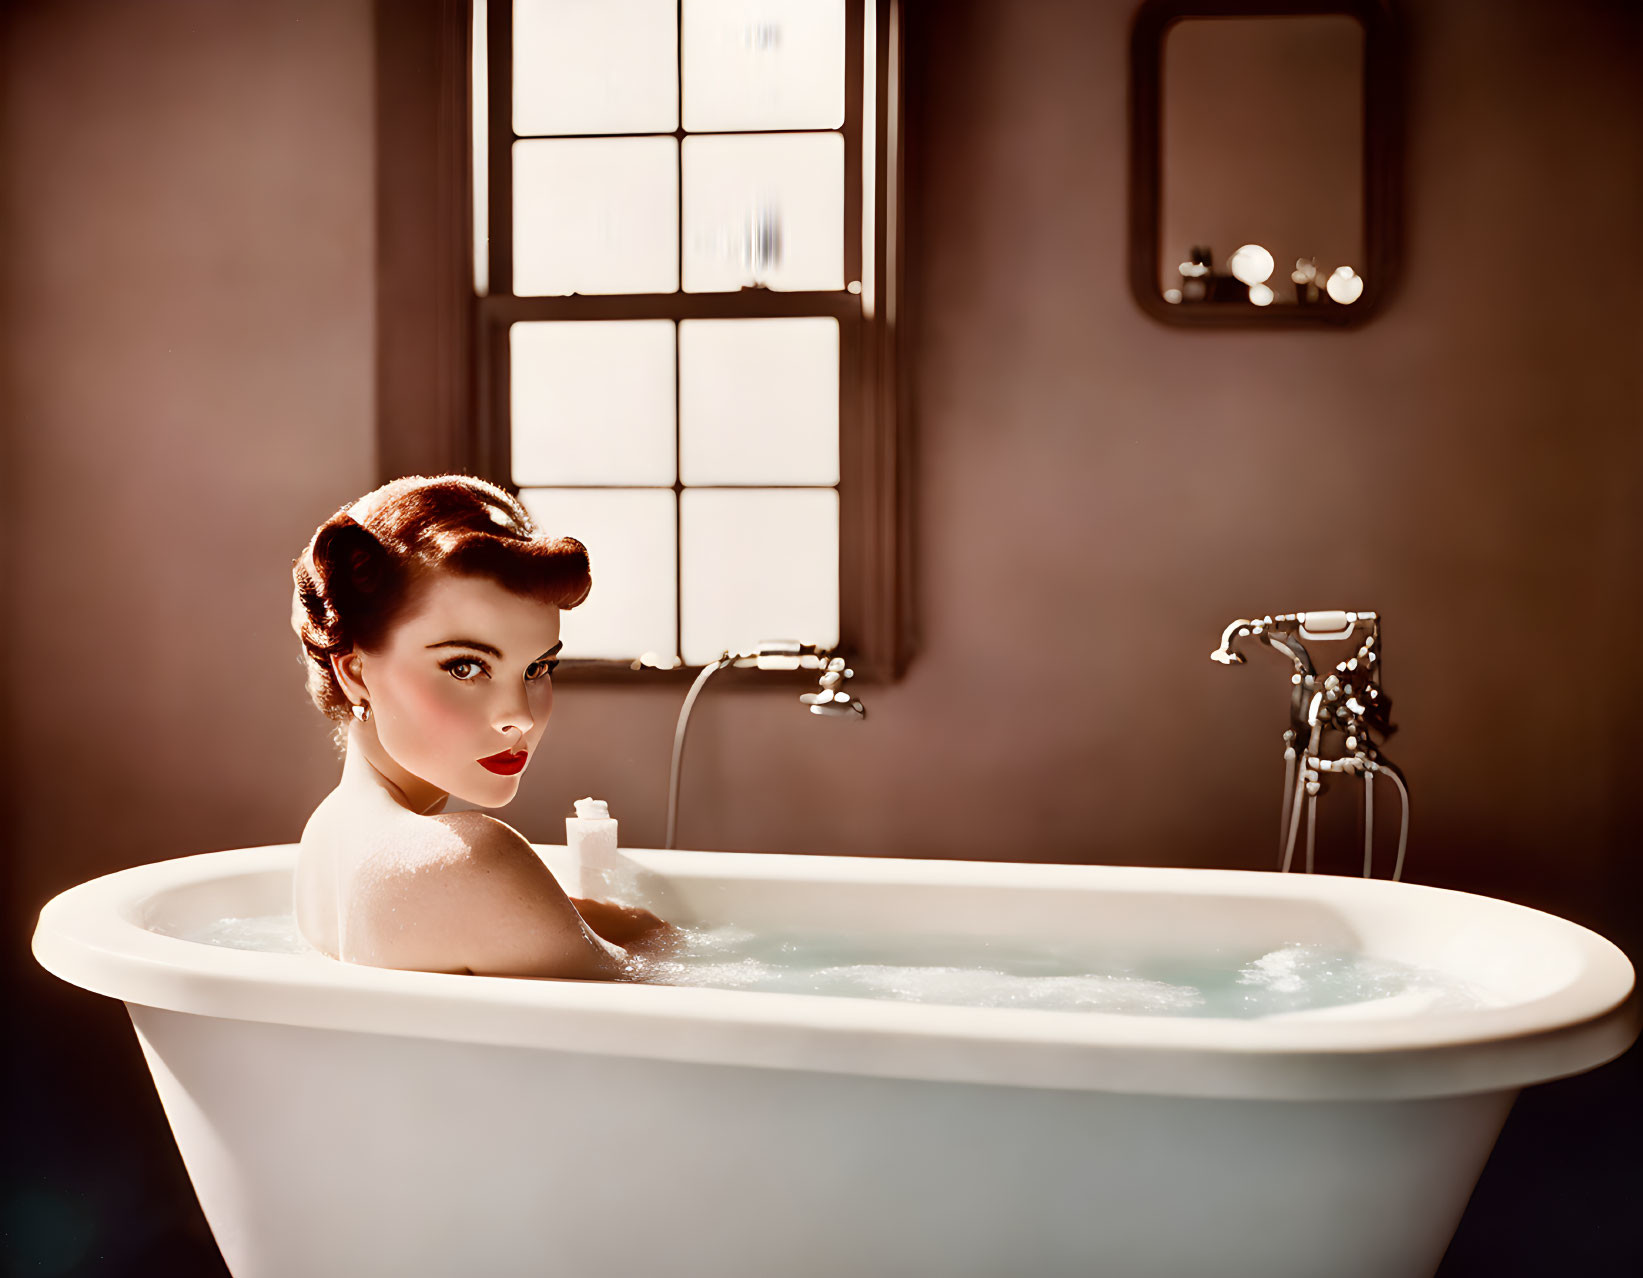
[1263,147]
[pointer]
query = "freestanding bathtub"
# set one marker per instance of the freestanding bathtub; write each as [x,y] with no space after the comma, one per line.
[354,1121]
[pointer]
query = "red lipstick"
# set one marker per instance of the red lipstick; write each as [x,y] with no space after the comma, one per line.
[505,763]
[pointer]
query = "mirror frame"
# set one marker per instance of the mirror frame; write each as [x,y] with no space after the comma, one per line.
[1382,159]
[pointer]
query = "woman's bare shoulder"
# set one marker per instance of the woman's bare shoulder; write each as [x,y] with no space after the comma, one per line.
[436,855]
[405,900]
[475,827]
[482,900]
[476,839]
[457,892]
[380,846]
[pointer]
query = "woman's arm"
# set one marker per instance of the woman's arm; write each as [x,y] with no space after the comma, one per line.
[619,924]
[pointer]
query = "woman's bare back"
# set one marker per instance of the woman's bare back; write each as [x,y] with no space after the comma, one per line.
[353,853]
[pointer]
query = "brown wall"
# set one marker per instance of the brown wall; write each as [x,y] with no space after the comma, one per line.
[188,361]
[188,242]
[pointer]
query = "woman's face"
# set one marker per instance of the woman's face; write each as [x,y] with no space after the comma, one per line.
[464,678]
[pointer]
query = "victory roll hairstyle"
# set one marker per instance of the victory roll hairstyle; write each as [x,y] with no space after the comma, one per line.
[365,566]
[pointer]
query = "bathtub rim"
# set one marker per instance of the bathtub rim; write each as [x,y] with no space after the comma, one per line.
[92,936]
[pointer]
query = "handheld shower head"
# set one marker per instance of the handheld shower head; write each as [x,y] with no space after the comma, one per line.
[1268,630]
[1226,654]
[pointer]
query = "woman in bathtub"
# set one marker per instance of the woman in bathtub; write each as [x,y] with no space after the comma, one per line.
[429,618]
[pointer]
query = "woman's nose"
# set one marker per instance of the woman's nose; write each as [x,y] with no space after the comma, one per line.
[514,714]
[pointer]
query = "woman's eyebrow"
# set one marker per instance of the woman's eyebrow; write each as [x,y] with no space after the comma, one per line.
[485,647]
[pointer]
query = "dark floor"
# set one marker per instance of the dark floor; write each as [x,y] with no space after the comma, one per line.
[94,1184]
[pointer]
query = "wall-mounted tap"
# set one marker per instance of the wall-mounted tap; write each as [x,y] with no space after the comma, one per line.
[773,654]
[1347,704]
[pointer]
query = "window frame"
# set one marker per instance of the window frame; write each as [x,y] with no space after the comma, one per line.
[443,351]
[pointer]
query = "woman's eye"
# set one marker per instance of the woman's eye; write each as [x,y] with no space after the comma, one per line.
[460,663]
[546,668]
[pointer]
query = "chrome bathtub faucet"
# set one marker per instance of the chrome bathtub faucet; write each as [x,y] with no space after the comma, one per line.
[1347,704]
[830,699]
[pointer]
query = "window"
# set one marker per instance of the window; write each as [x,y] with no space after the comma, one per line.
[676,339]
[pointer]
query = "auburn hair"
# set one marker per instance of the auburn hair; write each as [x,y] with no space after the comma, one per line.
[365,567]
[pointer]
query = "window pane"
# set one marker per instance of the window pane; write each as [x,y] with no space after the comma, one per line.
[759,401]
[595,66]
[764,209]
[758,564]
[595,216]
[593,402]
[629,536]
[764,64]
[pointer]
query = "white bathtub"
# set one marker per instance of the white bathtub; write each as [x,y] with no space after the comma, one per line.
[354,1121]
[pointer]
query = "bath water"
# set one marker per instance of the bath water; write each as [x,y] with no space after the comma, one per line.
[982,972]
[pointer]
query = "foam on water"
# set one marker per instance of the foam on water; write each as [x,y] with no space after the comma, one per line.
[270,933]
[983,972]
[979,972]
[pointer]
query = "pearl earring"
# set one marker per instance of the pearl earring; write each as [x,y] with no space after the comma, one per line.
[362,713]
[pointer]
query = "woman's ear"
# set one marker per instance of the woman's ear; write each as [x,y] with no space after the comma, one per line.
[346,667]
